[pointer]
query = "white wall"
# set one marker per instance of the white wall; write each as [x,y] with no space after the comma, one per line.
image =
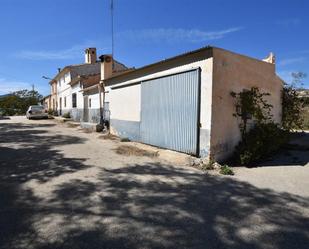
[125,103]
[95,101]
[66,91]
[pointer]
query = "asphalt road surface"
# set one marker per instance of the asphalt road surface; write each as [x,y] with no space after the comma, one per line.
[63,188]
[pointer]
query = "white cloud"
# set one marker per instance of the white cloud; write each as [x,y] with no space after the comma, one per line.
[69,53]
[176,35]
[290,61]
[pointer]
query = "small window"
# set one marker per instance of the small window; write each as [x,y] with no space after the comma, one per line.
[89,103]
[74,100]
[65,101]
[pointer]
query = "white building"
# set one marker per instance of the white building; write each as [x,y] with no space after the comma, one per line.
[71,82]
[184,103]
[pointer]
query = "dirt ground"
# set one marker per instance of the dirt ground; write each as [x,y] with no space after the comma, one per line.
[61,187]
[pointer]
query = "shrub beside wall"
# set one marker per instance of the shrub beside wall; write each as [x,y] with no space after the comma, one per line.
[265,137]
[261,141]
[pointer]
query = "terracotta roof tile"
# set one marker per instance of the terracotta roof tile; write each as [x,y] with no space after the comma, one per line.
[90,80]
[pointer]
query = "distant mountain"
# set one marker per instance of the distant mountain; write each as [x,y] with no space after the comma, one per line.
[5,95]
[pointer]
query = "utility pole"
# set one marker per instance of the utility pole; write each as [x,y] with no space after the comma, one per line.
[112,29]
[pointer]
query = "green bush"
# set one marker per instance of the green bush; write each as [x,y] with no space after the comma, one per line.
[66,115]
[226,170]
[305,114]
[292,106]
[10,112]
[50,112]
[260,142]
[18,102]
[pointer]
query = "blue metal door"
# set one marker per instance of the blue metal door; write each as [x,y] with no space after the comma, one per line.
[170,112]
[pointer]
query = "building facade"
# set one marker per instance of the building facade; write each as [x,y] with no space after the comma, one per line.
[68,83]
[67,87]
[184,103]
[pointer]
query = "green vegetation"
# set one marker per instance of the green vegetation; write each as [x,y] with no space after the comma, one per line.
[18,102]
[265,137]
[292,104]
[66,115]
[226,170]
[251,105]
[208,166]
[305,114]
[260,142]
[50,112]
[260,135]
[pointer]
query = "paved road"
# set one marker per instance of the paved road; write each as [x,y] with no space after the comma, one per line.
[62,188]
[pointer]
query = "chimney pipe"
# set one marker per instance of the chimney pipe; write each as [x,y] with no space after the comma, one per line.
[106,66]
[59,69]
[90,55]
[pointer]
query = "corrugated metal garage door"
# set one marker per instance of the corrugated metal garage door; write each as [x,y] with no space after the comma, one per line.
[170,112]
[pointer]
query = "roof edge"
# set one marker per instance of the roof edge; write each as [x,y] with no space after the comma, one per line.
[163,61]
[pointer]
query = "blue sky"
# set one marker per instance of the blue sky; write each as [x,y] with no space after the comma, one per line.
[38,36]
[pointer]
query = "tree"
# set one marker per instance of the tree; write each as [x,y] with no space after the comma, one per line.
[19,101]
[292,104]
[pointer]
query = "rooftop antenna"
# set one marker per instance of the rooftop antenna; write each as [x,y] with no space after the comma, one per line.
[112,27]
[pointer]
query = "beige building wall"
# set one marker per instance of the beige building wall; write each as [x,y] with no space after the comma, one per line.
[234,72]
[47,103]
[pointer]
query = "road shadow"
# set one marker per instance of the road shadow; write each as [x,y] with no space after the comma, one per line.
[295,153]
[26,154]
[137,206]
[161,206]
[4,118]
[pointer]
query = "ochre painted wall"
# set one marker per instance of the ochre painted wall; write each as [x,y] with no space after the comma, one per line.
[234,72]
